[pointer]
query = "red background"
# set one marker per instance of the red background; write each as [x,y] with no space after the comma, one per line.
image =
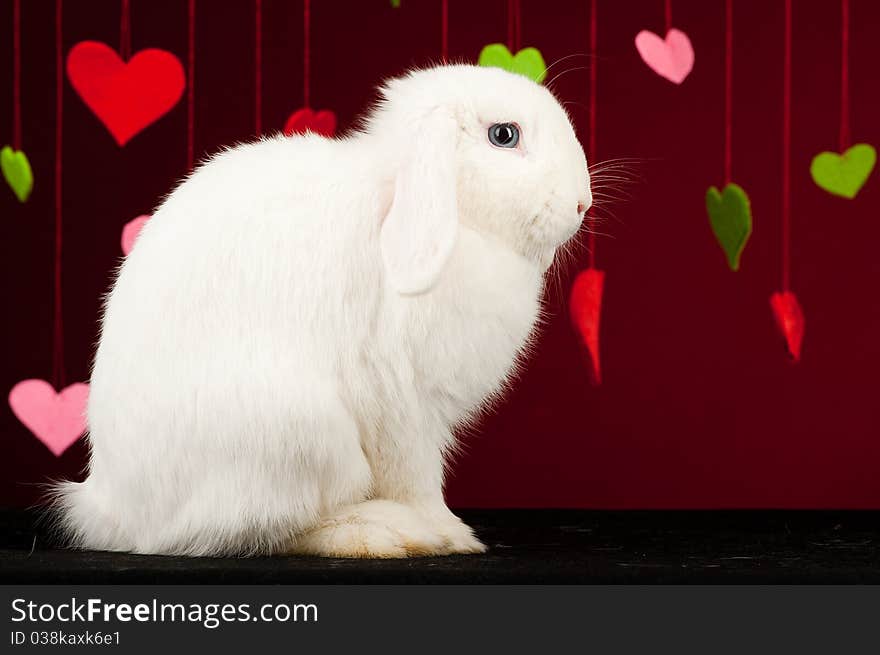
[699,407]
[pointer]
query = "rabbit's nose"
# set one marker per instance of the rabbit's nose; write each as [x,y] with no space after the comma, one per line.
[584,202]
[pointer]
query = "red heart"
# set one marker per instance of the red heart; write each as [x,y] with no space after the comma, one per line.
[126,97]
[307,120]
[790,321]
[585,306]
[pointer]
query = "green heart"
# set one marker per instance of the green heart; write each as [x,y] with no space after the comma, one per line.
[730,216]
[843,175]
[528,61]
[17,171]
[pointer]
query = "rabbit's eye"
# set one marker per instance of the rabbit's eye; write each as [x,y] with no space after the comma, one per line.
[504,135]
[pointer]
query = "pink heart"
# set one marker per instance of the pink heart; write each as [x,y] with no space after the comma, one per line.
[56,419]
[130,232]
[672,58]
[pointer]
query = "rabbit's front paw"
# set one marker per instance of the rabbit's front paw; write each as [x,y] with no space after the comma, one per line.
[374,529]
[461,537]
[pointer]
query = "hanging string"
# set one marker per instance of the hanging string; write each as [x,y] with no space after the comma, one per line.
[593,35]
[667,13]
[125,31]
[191,80]
[444,30]
[728,90]
[58,323]
[844,74]
[591,146]
[16,75]
[510,25]
[786,151]
[517,23]
[307,51]
[258,67]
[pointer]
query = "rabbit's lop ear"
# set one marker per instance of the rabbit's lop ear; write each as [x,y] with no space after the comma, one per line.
[418,233]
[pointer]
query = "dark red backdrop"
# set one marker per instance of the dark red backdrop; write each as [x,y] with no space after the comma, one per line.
[699,406]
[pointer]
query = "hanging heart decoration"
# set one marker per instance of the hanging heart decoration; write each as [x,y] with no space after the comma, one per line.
[790,321]
[528,61]
[844,174]
[305,120]
[56,419]
[17,172]
[131,231]
[125,96]
[585,308]
[671,58]
[730,216]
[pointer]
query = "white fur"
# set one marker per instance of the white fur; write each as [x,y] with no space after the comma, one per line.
[303,323]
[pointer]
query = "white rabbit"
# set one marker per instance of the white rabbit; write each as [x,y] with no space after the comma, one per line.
[303,323]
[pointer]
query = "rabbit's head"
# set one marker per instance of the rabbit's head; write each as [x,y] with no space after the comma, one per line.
[479,148]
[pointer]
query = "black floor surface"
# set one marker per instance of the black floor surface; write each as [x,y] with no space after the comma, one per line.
[526,546]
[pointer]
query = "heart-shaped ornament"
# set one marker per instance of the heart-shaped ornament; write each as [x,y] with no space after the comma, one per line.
[131,231]
[17,172]
[790,321]
[730,216]
[125,96]
[306,120]
[672,57]
[844,175]
[585,308]
[56,419]
[528,61]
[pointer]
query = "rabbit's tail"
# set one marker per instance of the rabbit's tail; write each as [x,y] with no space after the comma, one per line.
[80,519]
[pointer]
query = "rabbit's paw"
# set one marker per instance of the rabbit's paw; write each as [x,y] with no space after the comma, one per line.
[374,529]
[461,537]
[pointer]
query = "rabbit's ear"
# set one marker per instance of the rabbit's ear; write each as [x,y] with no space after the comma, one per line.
[418,233]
